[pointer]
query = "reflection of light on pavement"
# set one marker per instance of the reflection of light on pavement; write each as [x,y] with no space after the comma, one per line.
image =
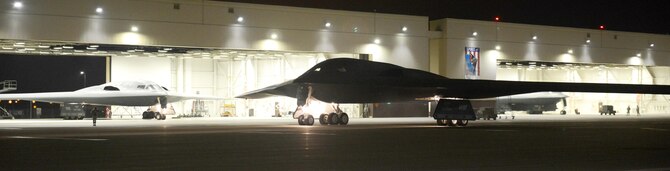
[307,135]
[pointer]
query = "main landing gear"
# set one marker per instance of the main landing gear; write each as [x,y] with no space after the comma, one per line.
[325,119]
[452,122]
[153,115]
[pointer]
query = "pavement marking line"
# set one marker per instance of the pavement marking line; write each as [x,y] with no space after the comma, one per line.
[655,129]
[47,138]
[284,133]
[500,130]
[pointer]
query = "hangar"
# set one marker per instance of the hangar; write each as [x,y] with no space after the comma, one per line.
[225,49]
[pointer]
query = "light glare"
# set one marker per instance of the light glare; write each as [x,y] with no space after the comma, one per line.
[98,10]
[18,5]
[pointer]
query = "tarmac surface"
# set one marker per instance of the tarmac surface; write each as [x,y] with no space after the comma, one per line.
[525,143]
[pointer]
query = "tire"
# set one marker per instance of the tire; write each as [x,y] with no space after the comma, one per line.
[301,119]
[450,122]
[442,122]
[462,122]
[163,117]
[145,115]
[333,119]
[157,115]
[309,120]
[322,119]
[344,119]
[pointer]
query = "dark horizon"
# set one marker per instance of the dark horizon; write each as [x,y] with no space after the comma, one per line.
[646,16]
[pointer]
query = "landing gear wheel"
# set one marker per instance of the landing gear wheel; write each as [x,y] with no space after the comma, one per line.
[163,117]
[157,116]
[451,122]
[462,122]
[333,119]
[322,119]
[344,119]
[309,120]
[442,122]
[301,119]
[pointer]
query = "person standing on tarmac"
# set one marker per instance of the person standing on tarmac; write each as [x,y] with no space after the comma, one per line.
[628,110]
[94,112]
[637,109]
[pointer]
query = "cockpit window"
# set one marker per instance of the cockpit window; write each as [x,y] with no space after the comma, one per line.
[151,87]
[141,86]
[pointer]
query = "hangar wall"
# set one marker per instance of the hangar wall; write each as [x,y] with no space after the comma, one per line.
[214,24]
[397,39]
[613,56]
[552,44]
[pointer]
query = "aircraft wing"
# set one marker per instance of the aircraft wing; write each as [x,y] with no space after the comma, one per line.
[97,98]
[180,97]
[473,89]
[344,80]
[287,88]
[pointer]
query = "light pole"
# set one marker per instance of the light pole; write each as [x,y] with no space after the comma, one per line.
[84,74]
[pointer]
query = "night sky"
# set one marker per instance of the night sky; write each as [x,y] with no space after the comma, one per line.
[648,16]
[51,73]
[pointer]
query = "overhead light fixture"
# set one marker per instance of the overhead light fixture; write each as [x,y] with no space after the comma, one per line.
[639,54]
[570,51]
[588,40]
[474,33]
[99,10]
[404,28]
[534,37]
[328,24]
[273,36]
[94,46]
[498,47]
[240,19]
[377,41]
[651,45]
[18,5]
[134,29]
[355,29]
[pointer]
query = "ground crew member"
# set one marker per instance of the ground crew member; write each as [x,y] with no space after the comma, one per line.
[95,115]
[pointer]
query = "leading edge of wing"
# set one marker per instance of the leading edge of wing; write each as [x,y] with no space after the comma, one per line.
[474,89]
[171,98]
[268,91]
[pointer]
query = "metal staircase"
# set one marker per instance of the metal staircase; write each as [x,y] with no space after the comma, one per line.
[5,115]
[7,85]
